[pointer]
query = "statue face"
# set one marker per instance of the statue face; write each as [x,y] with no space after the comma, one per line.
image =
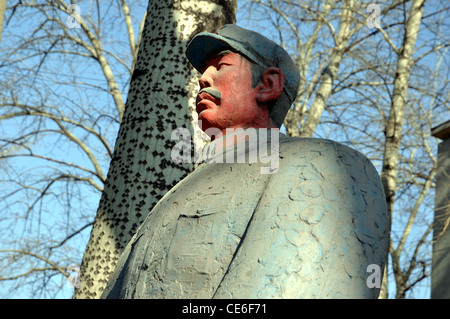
[226,98]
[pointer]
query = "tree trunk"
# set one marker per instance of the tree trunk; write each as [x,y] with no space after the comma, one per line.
[2,16]
[160,99]
[397,113]
[326,79]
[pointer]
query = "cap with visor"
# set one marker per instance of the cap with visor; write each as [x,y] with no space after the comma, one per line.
[252,45]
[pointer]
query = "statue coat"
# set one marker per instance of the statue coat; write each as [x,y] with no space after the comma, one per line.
[309,230]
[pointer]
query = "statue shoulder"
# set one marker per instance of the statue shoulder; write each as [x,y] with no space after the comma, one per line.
[298,146]
[321,223]
[323,160]
[326,155]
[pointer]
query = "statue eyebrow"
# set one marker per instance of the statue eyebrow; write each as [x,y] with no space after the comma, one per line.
[215,56]
[221,53]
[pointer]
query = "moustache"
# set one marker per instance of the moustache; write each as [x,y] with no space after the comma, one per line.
[213,92]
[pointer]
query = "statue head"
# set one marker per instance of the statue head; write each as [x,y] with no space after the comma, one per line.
[247,80]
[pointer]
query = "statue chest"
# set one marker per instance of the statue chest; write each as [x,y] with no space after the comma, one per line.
[186,245]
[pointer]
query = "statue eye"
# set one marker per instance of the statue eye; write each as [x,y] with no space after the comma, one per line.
[221,65]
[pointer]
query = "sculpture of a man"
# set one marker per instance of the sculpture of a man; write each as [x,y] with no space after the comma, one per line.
[314,226]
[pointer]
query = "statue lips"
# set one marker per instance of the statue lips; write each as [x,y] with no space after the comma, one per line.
[205,97]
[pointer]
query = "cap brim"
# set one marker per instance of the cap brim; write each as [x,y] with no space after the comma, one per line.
[203,45]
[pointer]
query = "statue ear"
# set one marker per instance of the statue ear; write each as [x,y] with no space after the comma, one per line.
[271,86]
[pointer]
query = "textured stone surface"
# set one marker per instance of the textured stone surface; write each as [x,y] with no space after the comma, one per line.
[226,231]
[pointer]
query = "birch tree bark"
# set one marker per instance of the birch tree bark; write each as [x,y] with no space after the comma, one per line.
[95,48]
[141,170]
[397,112]
[2,16]
[328,75]
[303,121]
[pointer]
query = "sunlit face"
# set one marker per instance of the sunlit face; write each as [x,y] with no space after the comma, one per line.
[235,106]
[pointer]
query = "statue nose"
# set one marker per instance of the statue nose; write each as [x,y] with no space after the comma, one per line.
[205,80]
